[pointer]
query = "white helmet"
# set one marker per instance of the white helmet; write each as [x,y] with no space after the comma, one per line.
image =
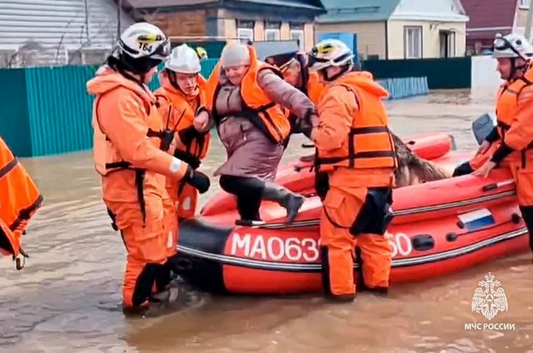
[184,59]
[144,40]
[330,52]
[512,46]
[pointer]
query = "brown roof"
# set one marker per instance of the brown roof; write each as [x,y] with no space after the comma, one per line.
[490,13]
[143,4]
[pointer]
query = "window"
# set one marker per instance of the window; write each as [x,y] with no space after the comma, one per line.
[297,34]
[412,39]
[447,44]
[525,3]
[245,31]
[272,31]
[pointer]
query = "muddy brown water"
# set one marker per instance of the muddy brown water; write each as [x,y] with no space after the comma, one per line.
[67,298]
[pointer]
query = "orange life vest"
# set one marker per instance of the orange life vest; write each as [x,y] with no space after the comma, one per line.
[106,157]
[369,145]
[170,103]
[507,103]
[19,200]
[268,116]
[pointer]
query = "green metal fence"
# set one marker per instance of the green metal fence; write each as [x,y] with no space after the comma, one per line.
[47,110]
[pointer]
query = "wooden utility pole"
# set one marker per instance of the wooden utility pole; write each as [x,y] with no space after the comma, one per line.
[527,29]
[119,19]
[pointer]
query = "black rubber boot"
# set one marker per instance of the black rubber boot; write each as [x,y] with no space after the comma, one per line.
[248,192]
[463,169]
[527,215]
[290,201]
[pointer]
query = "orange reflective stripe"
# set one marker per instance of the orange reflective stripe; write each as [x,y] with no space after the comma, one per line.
[20,199]
[361,158]
[268,116]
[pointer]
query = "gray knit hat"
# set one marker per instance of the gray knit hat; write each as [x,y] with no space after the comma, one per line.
[235,54]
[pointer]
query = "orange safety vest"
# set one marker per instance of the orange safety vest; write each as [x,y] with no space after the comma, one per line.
[19,200]
[106,157]
[268,116]
[197,149]
[369,144]
[507,104]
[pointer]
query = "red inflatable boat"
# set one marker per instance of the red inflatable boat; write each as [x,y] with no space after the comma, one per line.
[299,177]
[439,228]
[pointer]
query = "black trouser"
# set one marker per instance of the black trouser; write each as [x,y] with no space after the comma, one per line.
[527,215]
[248,192]
[463,169]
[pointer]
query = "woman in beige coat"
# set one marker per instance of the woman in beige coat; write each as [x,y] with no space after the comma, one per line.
[250,105]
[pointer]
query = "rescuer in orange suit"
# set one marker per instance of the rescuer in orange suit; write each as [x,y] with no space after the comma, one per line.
[356,151]
[127,140]
[19,200]
[514,112]
[181,97]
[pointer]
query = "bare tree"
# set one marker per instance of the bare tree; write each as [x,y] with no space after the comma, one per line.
[61,40]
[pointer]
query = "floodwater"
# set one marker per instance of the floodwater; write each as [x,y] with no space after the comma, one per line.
[67,298]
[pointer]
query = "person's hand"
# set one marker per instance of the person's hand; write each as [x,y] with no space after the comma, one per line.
[485,169]
[201,121]
[484,147]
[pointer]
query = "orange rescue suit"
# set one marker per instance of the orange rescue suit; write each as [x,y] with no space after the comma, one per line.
[127,155]
[19,200]
[268,116]
[178,112]
[514,112]
[356,150]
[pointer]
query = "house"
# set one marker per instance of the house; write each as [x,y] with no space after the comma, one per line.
[51,32]
[398,29]
[488,17]
[255,20]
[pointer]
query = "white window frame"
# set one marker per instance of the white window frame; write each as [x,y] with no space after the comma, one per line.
[412,34]
[245,34]
[524,4]
[300,34]
[275,32]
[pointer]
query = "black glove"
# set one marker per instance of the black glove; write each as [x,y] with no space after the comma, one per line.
[192,161]
[198,180]
[188,134]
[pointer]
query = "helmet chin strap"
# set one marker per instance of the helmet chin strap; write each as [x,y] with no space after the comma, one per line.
[515,69]
[344,69]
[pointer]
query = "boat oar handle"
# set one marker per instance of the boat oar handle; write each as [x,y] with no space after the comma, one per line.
[308,145]
[495,186]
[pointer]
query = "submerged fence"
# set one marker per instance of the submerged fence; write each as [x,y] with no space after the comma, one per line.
[47,110]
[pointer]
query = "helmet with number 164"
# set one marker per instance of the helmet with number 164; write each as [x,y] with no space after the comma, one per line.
[141,47]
